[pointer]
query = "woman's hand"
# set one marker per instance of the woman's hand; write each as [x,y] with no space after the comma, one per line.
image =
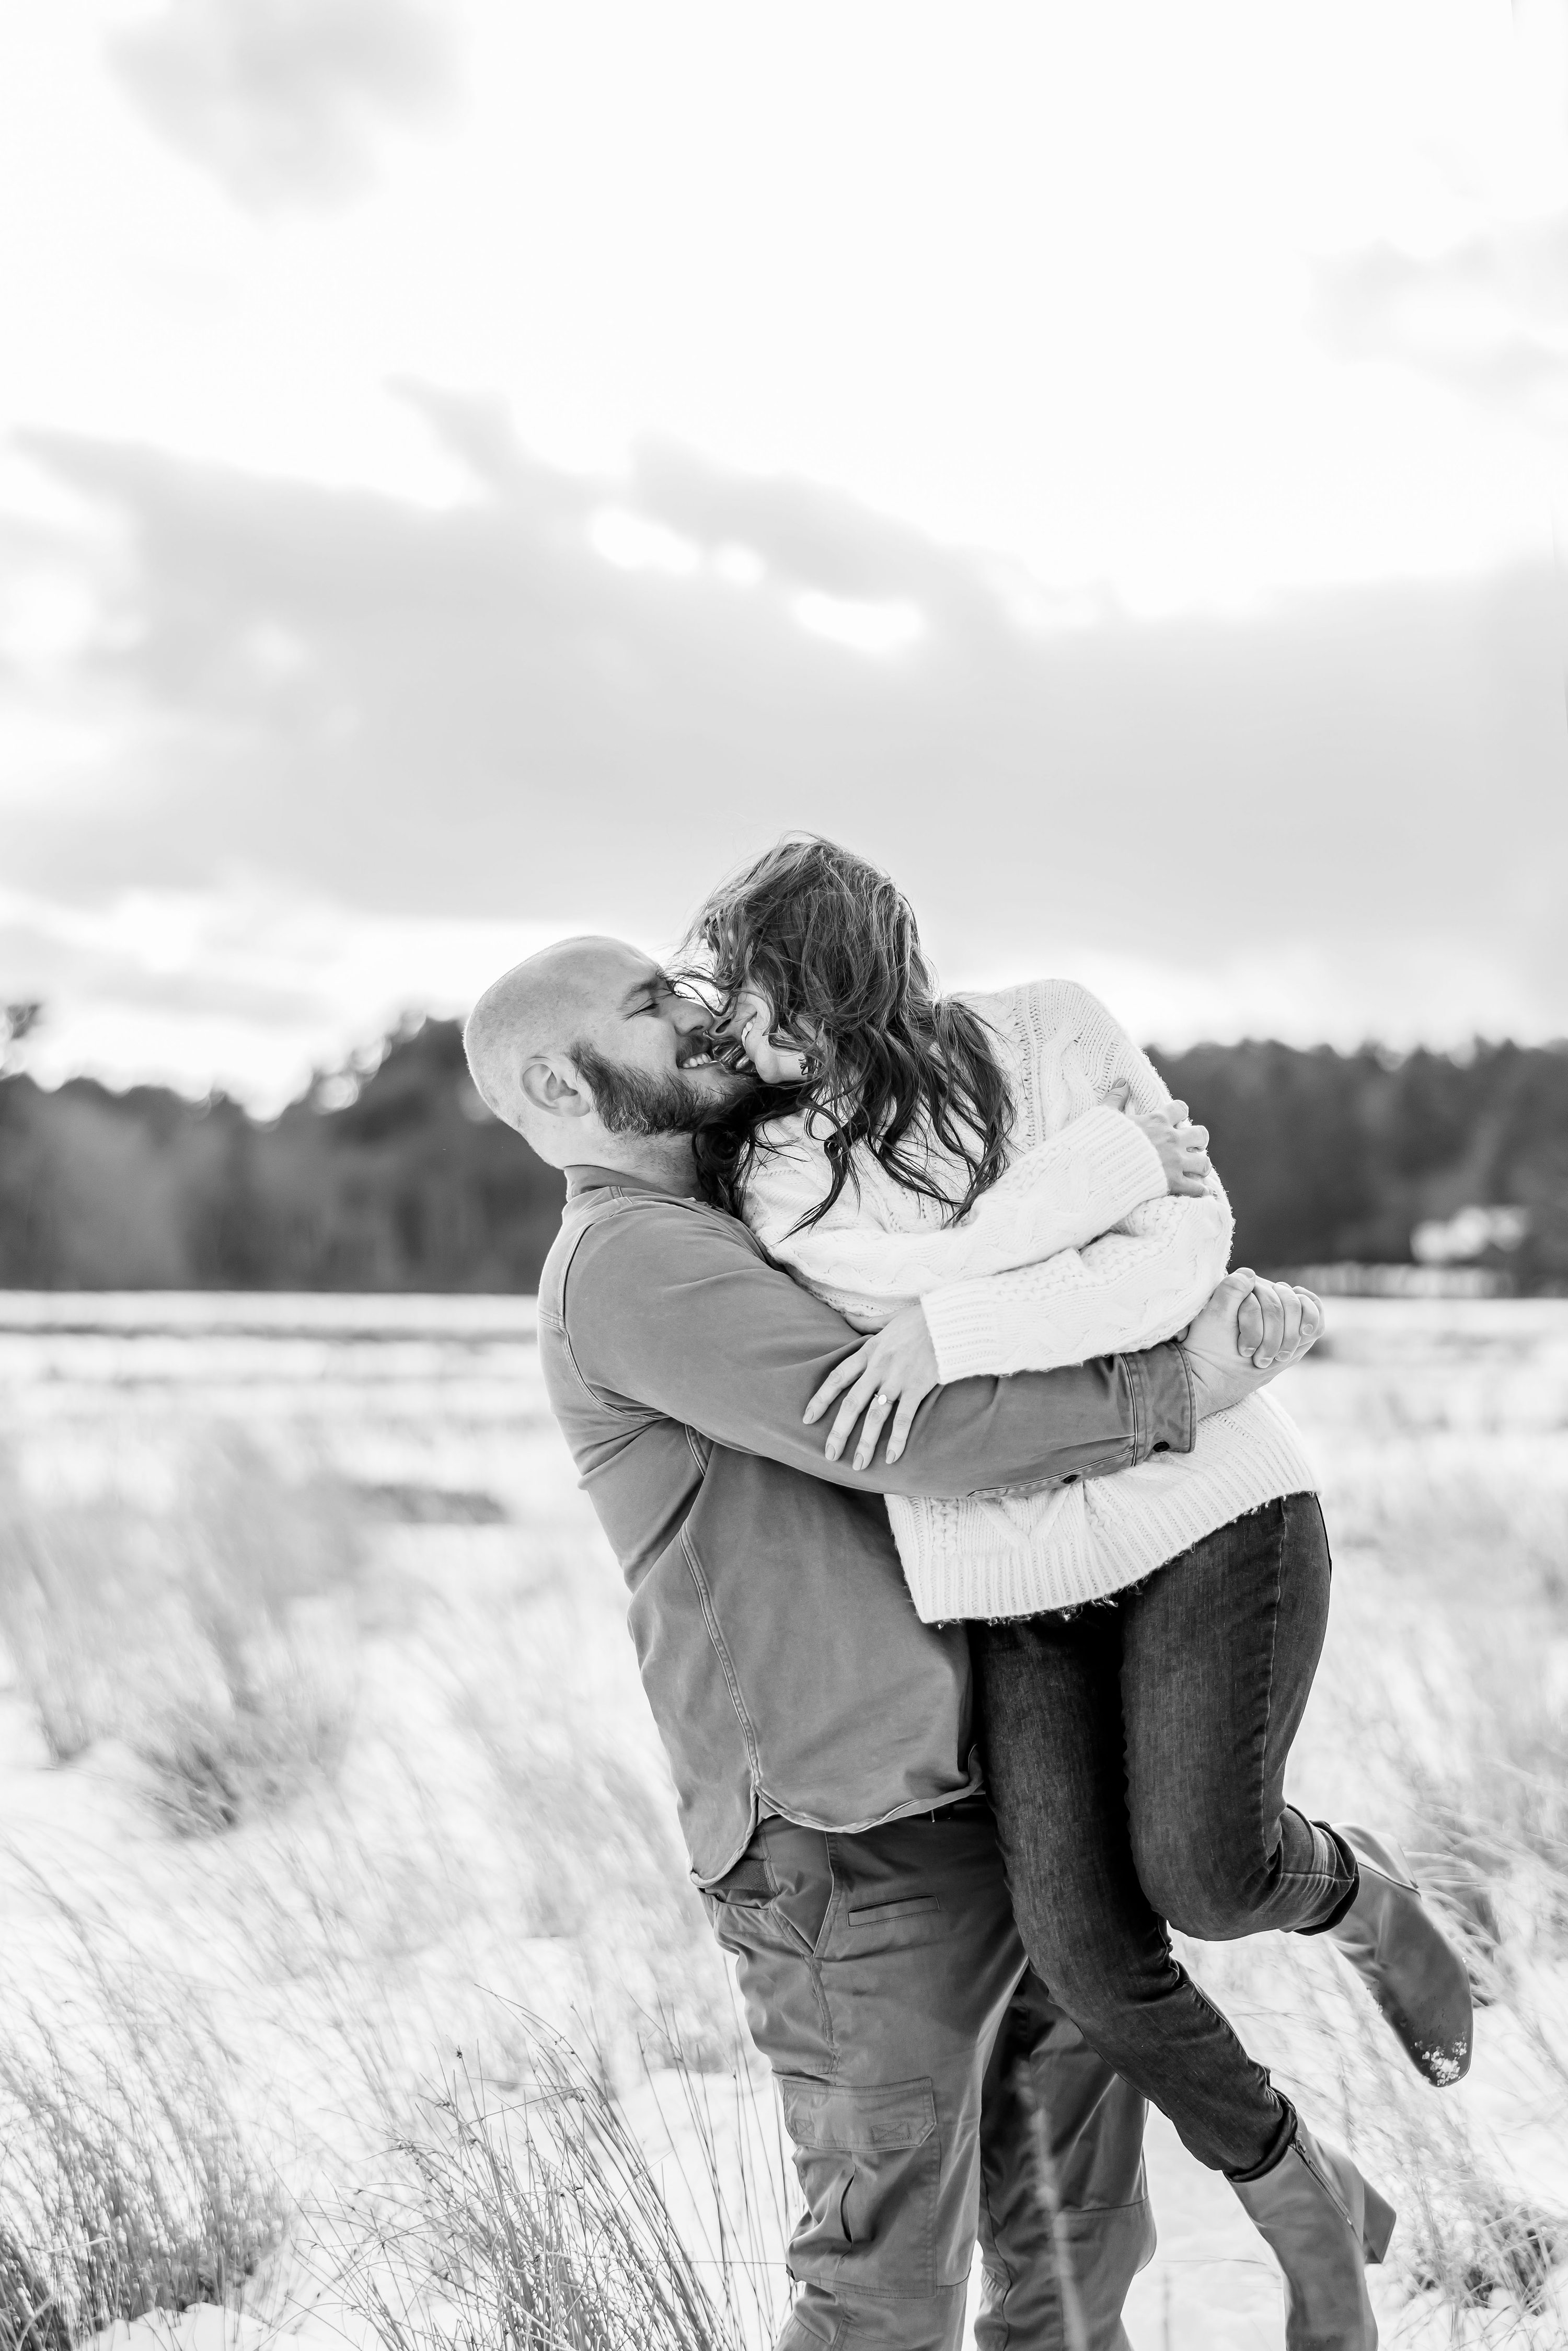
[1182,1147]
[892,1373]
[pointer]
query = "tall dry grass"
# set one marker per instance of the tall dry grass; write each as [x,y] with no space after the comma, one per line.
[206,1636]
[130,2180]
[522,2208]
[508,1817]
[520,2203]
[580,1808]
[1459,1700]
[1439,1713]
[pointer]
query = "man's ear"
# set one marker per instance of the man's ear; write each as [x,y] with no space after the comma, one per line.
[550,1084]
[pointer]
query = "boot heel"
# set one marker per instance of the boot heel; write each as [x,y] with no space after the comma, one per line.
[1377,2225]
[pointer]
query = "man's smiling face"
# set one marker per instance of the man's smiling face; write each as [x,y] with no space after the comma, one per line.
[648,1052]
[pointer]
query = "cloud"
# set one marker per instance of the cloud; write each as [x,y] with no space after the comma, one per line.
[1352,803]
[235,985]
[1488,316]
[280,99]
[92,971]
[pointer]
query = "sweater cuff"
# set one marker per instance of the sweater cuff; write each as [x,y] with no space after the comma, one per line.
[1164,1419]
[1120,1158]
[961,1319]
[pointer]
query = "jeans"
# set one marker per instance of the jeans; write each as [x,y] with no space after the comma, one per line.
[1136,1754]
[931,2090]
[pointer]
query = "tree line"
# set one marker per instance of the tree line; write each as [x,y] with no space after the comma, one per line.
[393,1177]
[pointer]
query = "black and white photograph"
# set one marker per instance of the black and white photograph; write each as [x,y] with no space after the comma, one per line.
[783,1175]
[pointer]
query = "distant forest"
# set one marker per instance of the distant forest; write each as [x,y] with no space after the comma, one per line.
[393,1175]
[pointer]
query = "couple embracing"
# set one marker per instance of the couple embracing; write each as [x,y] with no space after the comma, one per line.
[977,1585]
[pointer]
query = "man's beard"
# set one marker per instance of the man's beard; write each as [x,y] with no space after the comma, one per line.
[632,1102]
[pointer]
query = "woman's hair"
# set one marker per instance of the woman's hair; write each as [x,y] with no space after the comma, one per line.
[834,946]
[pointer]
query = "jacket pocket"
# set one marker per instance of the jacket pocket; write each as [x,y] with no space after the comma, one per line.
[870,2163]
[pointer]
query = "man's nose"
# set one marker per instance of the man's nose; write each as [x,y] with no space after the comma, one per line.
[734,1013]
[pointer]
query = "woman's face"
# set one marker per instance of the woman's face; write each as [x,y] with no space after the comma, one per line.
[749,1021]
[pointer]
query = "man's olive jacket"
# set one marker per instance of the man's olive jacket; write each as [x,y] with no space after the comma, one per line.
[781,1654]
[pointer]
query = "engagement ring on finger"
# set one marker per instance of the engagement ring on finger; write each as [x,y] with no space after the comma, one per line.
[886,1401]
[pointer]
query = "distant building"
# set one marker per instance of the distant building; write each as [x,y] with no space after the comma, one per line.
[1347,1280]
[1462,1239]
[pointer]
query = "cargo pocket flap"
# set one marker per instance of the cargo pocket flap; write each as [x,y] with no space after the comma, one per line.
[889,2114]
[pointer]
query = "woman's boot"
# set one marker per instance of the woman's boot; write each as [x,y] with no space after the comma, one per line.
[1412,1970]
[1322,2224]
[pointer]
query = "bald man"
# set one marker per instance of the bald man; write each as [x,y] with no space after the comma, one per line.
[820,1736]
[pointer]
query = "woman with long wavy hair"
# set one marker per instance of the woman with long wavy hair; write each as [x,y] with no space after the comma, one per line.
[999,1184]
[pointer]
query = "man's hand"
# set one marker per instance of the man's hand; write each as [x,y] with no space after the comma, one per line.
[1278,1320]
[1183,1148]
[1250,1332]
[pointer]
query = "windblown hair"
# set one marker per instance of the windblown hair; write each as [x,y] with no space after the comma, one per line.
[834,946]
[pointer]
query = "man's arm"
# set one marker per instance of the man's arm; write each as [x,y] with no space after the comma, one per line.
[675,1310]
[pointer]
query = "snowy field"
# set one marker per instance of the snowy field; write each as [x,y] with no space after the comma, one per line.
[328,1793]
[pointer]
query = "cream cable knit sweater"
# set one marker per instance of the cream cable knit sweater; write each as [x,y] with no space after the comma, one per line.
[1077,1250]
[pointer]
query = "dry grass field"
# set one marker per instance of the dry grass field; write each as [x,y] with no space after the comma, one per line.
[352,1987]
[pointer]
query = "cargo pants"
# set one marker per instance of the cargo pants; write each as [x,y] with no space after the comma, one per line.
[931,2092]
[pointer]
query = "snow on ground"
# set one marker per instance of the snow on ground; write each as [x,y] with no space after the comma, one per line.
[496,1828]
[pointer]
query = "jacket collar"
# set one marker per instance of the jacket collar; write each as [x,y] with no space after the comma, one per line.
[588,1179]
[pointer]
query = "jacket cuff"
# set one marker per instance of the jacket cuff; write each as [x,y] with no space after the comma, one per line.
[1164,1419]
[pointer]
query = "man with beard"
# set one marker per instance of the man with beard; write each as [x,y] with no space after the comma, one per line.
[819,1734]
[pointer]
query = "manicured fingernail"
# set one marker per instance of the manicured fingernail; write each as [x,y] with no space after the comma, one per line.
[892,1453]
[833,1450]
[861,1460]
[810,1414]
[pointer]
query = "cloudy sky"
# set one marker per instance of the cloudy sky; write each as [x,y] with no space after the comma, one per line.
[471,469]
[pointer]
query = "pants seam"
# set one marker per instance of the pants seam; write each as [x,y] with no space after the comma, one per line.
[1094,2212]
[1268,1684]
[1221,2019]
[990,2251]
[824,2006]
